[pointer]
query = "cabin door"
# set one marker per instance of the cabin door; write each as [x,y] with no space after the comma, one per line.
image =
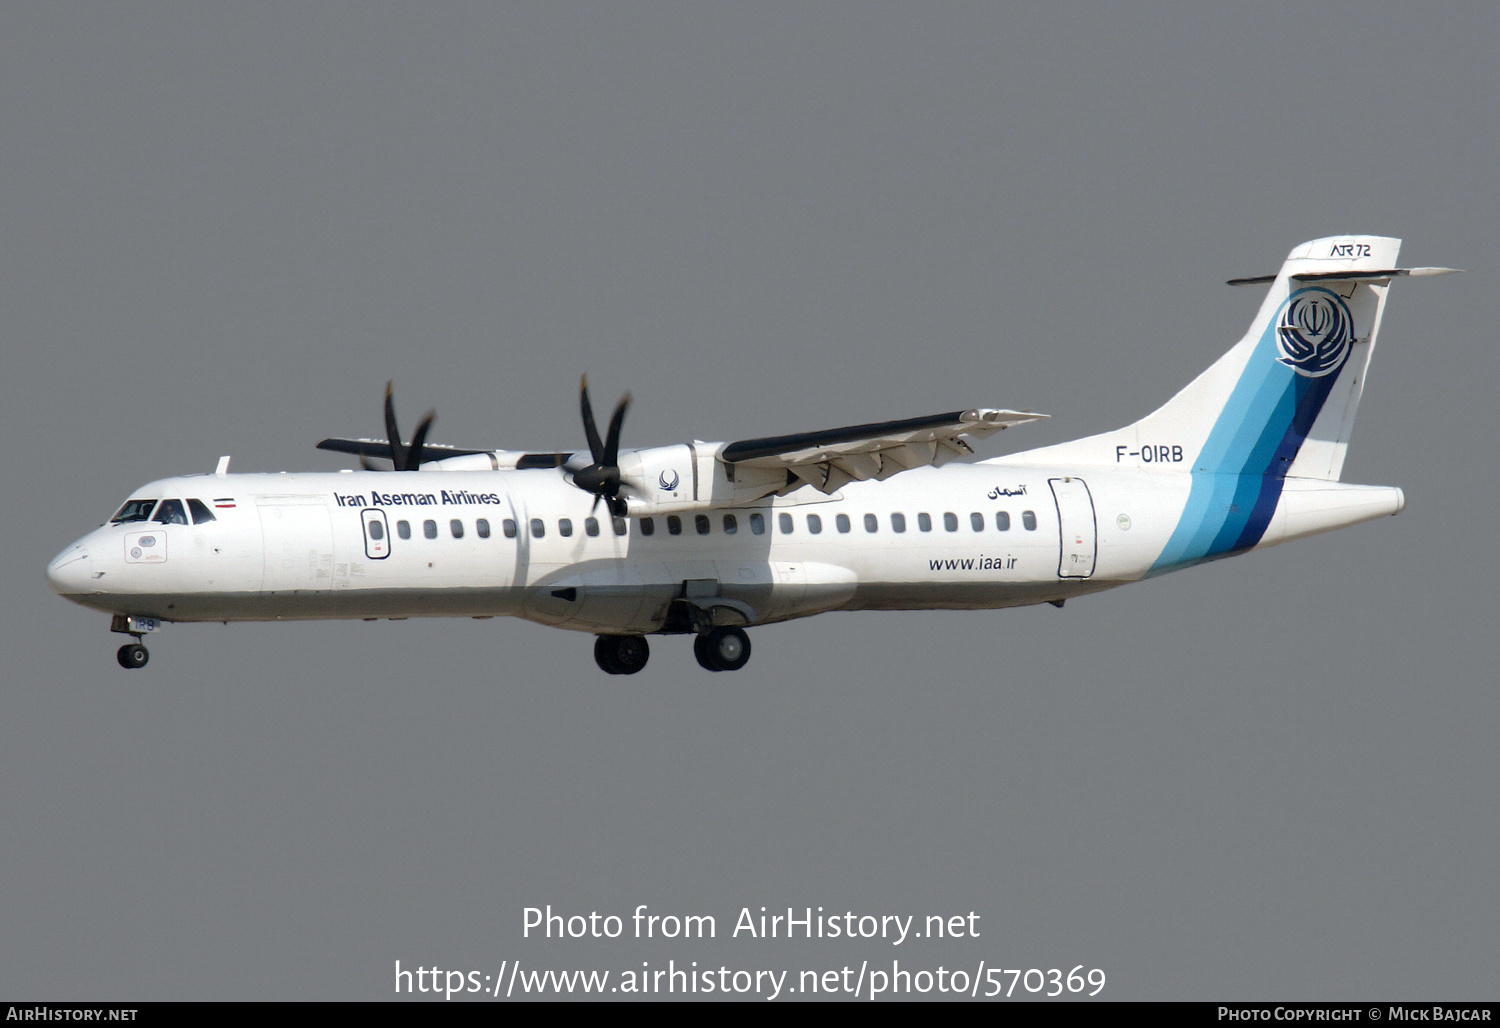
[1077,534]
[297,538]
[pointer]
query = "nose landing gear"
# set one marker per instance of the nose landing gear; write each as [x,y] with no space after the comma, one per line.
[132,655]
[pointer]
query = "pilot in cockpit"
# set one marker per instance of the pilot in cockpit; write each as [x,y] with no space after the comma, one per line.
[170,512]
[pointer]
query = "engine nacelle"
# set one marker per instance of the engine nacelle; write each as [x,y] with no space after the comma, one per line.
[690,477]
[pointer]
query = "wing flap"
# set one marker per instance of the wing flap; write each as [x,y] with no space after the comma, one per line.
[832,458]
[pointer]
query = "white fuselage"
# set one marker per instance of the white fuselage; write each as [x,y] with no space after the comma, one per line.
[525,543]
[709,538]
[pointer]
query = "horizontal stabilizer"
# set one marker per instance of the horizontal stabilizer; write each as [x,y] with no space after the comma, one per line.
[1379,275]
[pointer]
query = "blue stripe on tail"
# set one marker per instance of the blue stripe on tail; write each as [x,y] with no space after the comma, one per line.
[1238,476]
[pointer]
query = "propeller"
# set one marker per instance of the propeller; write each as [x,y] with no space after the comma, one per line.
[404,456]
[602,477]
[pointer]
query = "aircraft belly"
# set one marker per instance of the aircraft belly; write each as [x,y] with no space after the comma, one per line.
[310,604]
[622,598]
[968,595]
[618,598]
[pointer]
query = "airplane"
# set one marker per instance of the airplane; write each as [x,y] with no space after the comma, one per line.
[709,539]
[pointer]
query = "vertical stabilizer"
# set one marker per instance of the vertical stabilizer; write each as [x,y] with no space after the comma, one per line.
[1280,403]
[1282,400]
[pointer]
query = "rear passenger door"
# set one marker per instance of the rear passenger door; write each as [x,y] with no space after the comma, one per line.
[1078,537]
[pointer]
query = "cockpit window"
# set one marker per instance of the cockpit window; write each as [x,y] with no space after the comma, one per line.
[171,513]
[134,510]
[200,510]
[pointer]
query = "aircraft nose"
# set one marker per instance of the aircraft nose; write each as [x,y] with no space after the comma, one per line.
[70,571]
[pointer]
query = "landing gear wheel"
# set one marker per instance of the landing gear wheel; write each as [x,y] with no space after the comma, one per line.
[621,654]
[132,655]
[723,649]
[702,654]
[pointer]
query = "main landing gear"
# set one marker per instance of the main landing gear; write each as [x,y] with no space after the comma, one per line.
[621,654]
[718,649]
[722,649]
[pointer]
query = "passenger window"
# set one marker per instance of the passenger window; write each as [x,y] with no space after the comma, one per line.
[564,527]
[950,522]
[376,531]
[457,528]
[1002,520]
[843,522]
[976,521]
[731,526]
[482,528]
[403,529]
[538,529]
[674,525]
[814,524]
[201,513]
[508,526]
[924,522]
[591,527]
[898,522]
[700,522]
[618,524]
[170,513]
[429,529]
[757,524]
[134,510]
[648,526]
[785,521]
[1028,520]
[872,523]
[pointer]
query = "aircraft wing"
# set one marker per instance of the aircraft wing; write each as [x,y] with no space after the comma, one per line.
[381,448]
[829,459]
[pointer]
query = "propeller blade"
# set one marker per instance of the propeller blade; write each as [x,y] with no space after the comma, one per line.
[612,441]
[596,446]
[414,452]
[392,433]
[602,477]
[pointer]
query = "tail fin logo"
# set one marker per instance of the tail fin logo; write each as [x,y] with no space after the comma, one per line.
[1314,333]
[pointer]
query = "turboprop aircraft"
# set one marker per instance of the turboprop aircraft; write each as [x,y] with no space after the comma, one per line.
[708,539]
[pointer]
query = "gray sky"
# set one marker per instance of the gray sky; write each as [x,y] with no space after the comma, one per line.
[223,227]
